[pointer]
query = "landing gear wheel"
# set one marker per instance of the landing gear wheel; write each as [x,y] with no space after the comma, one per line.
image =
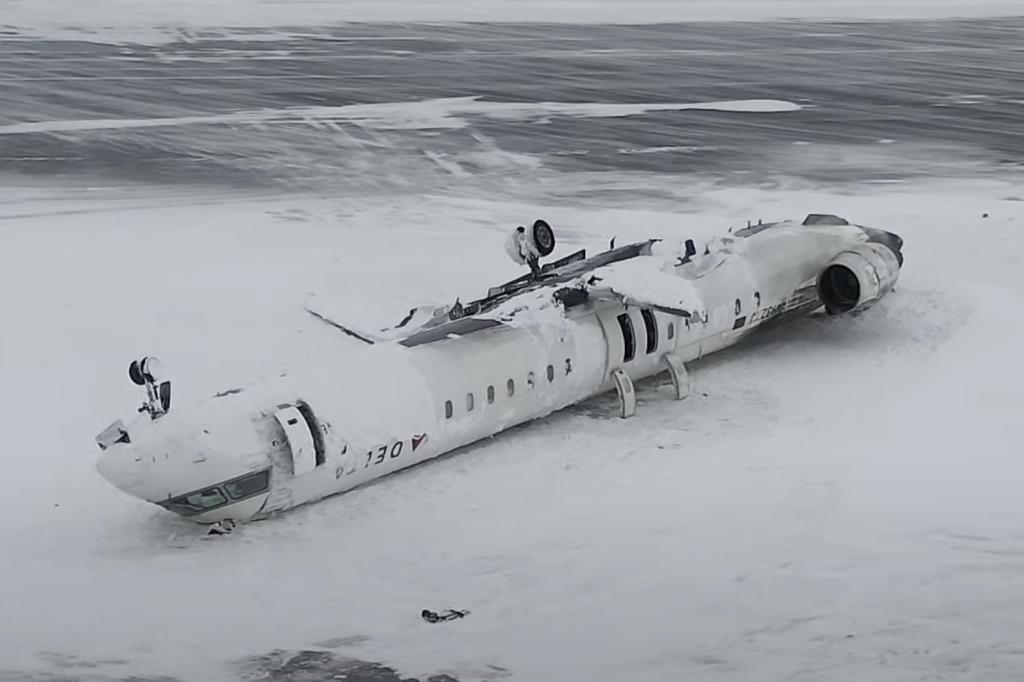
[543,238]
[135,373]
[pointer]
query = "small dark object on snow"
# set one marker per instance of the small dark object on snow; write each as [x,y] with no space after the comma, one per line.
[443,616]
[221,528]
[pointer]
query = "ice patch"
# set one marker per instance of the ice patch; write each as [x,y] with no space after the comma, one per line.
[442,113]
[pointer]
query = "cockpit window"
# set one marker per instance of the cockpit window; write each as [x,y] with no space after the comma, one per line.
[210,498]
[197,502]
[247,486]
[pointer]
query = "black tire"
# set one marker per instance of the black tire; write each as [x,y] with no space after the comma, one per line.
[135,373]
[543,237]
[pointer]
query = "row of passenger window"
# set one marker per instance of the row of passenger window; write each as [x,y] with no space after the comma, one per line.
[510,389]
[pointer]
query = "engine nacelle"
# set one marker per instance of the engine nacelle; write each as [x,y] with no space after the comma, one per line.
[858,277]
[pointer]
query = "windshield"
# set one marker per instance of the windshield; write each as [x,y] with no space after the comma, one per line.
[247,486]
[197,502]
[210,498]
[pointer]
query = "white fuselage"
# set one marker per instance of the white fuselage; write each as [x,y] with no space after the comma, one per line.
[387,407]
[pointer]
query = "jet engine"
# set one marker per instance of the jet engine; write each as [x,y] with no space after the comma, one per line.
[858,277]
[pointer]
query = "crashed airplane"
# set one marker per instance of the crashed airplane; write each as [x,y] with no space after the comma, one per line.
[448,376]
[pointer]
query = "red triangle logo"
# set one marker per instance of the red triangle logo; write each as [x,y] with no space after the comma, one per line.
[418,440]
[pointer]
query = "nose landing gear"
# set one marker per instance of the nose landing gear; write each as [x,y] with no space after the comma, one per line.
[147,372]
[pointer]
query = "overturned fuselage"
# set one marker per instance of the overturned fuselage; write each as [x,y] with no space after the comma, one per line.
[580,327]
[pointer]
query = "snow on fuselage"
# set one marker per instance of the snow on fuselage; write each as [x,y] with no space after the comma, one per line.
[332,426]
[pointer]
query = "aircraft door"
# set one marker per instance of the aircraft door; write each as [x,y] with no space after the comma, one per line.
[302,439]
[626,338]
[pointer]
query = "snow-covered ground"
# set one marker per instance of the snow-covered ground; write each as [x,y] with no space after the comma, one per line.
[840,501]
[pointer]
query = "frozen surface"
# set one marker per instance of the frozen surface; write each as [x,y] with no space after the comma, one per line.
[157,19]
[375,109]
[425,115]
[839,500]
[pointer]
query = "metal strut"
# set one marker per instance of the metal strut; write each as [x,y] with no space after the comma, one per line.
[680,377]
[627,395]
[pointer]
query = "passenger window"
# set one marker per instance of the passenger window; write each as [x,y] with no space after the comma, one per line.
[739,306]
[628,340]
[490,394]
[651,327]
[469,402]
[671,330]
[757,299]
[551,373]
[530,380]
[511,386]
[448,409]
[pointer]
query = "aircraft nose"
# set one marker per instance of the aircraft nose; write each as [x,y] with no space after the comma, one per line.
[120,467]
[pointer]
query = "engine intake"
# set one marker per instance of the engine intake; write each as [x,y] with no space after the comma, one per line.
[858,277]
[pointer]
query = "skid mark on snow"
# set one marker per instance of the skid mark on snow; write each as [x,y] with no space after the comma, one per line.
[338,642]
[316,666]
[68,661]
[714,661]
[1010,547]
[308,665]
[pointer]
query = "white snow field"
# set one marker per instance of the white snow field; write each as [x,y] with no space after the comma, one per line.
[840,500]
